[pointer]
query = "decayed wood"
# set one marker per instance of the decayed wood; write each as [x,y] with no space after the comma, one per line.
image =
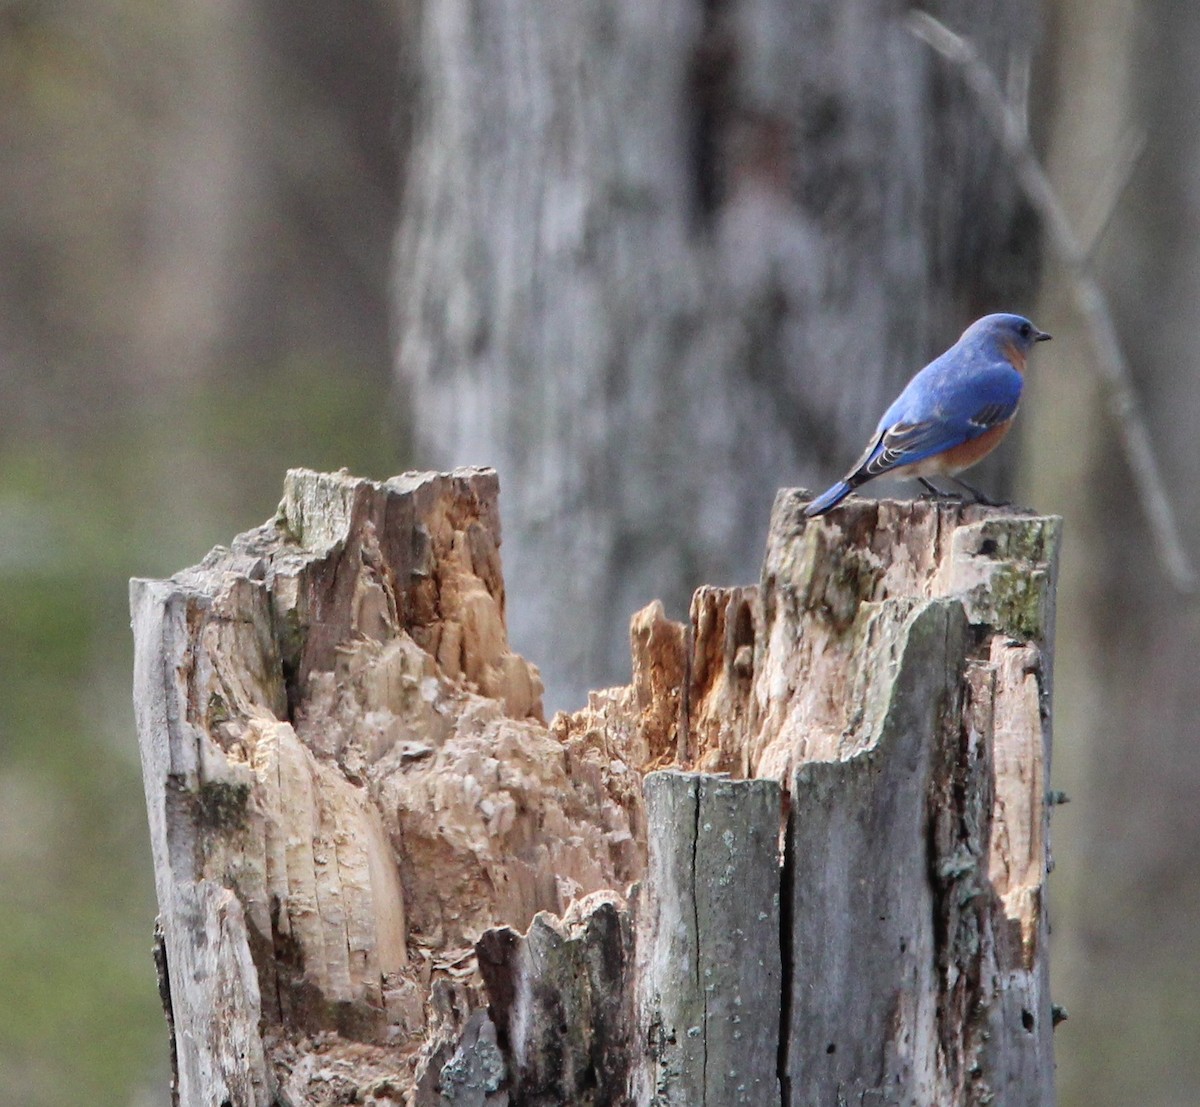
[384,879]
[560,994]
[902,686]
[348,780]
[708,943]
[865,1000]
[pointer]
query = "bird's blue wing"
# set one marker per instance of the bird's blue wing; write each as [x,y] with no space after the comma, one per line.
[904,443]
[908,441]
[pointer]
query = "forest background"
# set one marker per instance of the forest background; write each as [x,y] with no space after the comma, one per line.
[211,269]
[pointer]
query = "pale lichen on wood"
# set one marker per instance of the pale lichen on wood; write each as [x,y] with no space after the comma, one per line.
[384,879]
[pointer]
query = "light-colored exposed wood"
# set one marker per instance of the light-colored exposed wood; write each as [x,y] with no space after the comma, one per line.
[348,777]
[381,874]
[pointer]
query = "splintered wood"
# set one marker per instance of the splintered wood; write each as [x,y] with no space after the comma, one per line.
[383,878]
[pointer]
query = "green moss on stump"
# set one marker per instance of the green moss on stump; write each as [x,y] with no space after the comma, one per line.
[223,805]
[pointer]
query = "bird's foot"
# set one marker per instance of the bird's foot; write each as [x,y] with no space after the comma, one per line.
[934,493]
[979,497]
[940,497]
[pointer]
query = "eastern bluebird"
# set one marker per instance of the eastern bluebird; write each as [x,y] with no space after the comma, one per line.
[952,414]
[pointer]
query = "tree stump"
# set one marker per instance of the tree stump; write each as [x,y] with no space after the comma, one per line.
[800,859]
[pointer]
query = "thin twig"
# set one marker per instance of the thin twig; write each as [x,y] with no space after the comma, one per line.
[1117,181]
[1020,73]
[1110,362]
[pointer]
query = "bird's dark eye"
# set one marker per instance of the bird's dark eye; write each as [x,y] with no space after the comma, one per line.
[1026,330]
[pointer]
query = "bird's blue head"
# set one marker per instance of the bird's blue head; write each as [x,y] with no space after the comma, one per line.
[1008,336]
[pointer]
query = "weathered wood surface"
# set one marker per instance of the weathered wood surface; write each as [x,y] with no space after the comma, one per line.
[348,780]
[903,689]
[708,942]
[560,995]
[384,879]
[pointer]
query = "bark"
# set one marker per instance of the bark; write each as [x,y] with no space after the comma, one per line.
[383,878]
[642,249]
[709,946]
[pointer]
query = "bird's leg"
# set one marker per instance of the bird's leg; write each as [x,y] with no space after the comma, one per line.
[980,498]
[937,493]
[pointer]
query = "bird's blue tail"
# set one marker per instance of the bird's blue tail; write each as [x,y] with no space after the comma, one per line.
[831,497]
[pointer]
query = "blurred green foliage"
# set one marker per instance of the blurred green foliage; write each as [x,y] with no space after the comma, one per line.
[195,213]
[145,494]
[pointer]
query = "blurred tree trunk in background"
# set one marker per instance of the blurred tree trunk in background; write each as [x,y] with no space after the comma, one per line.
[1127,728]
[270,210]
[655,260]
[266,235]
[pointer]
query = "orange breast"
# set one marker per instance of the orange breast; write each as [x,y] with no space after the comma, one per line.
[958,458]
[1015,356]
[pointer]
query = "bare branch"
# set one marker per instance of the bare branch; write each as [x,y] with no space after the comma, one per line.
[1119,176]
[1089,297]
[1020,71]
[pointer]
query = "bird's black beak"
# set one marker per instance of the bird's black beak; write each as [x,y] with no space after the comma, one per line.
[1042,336]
